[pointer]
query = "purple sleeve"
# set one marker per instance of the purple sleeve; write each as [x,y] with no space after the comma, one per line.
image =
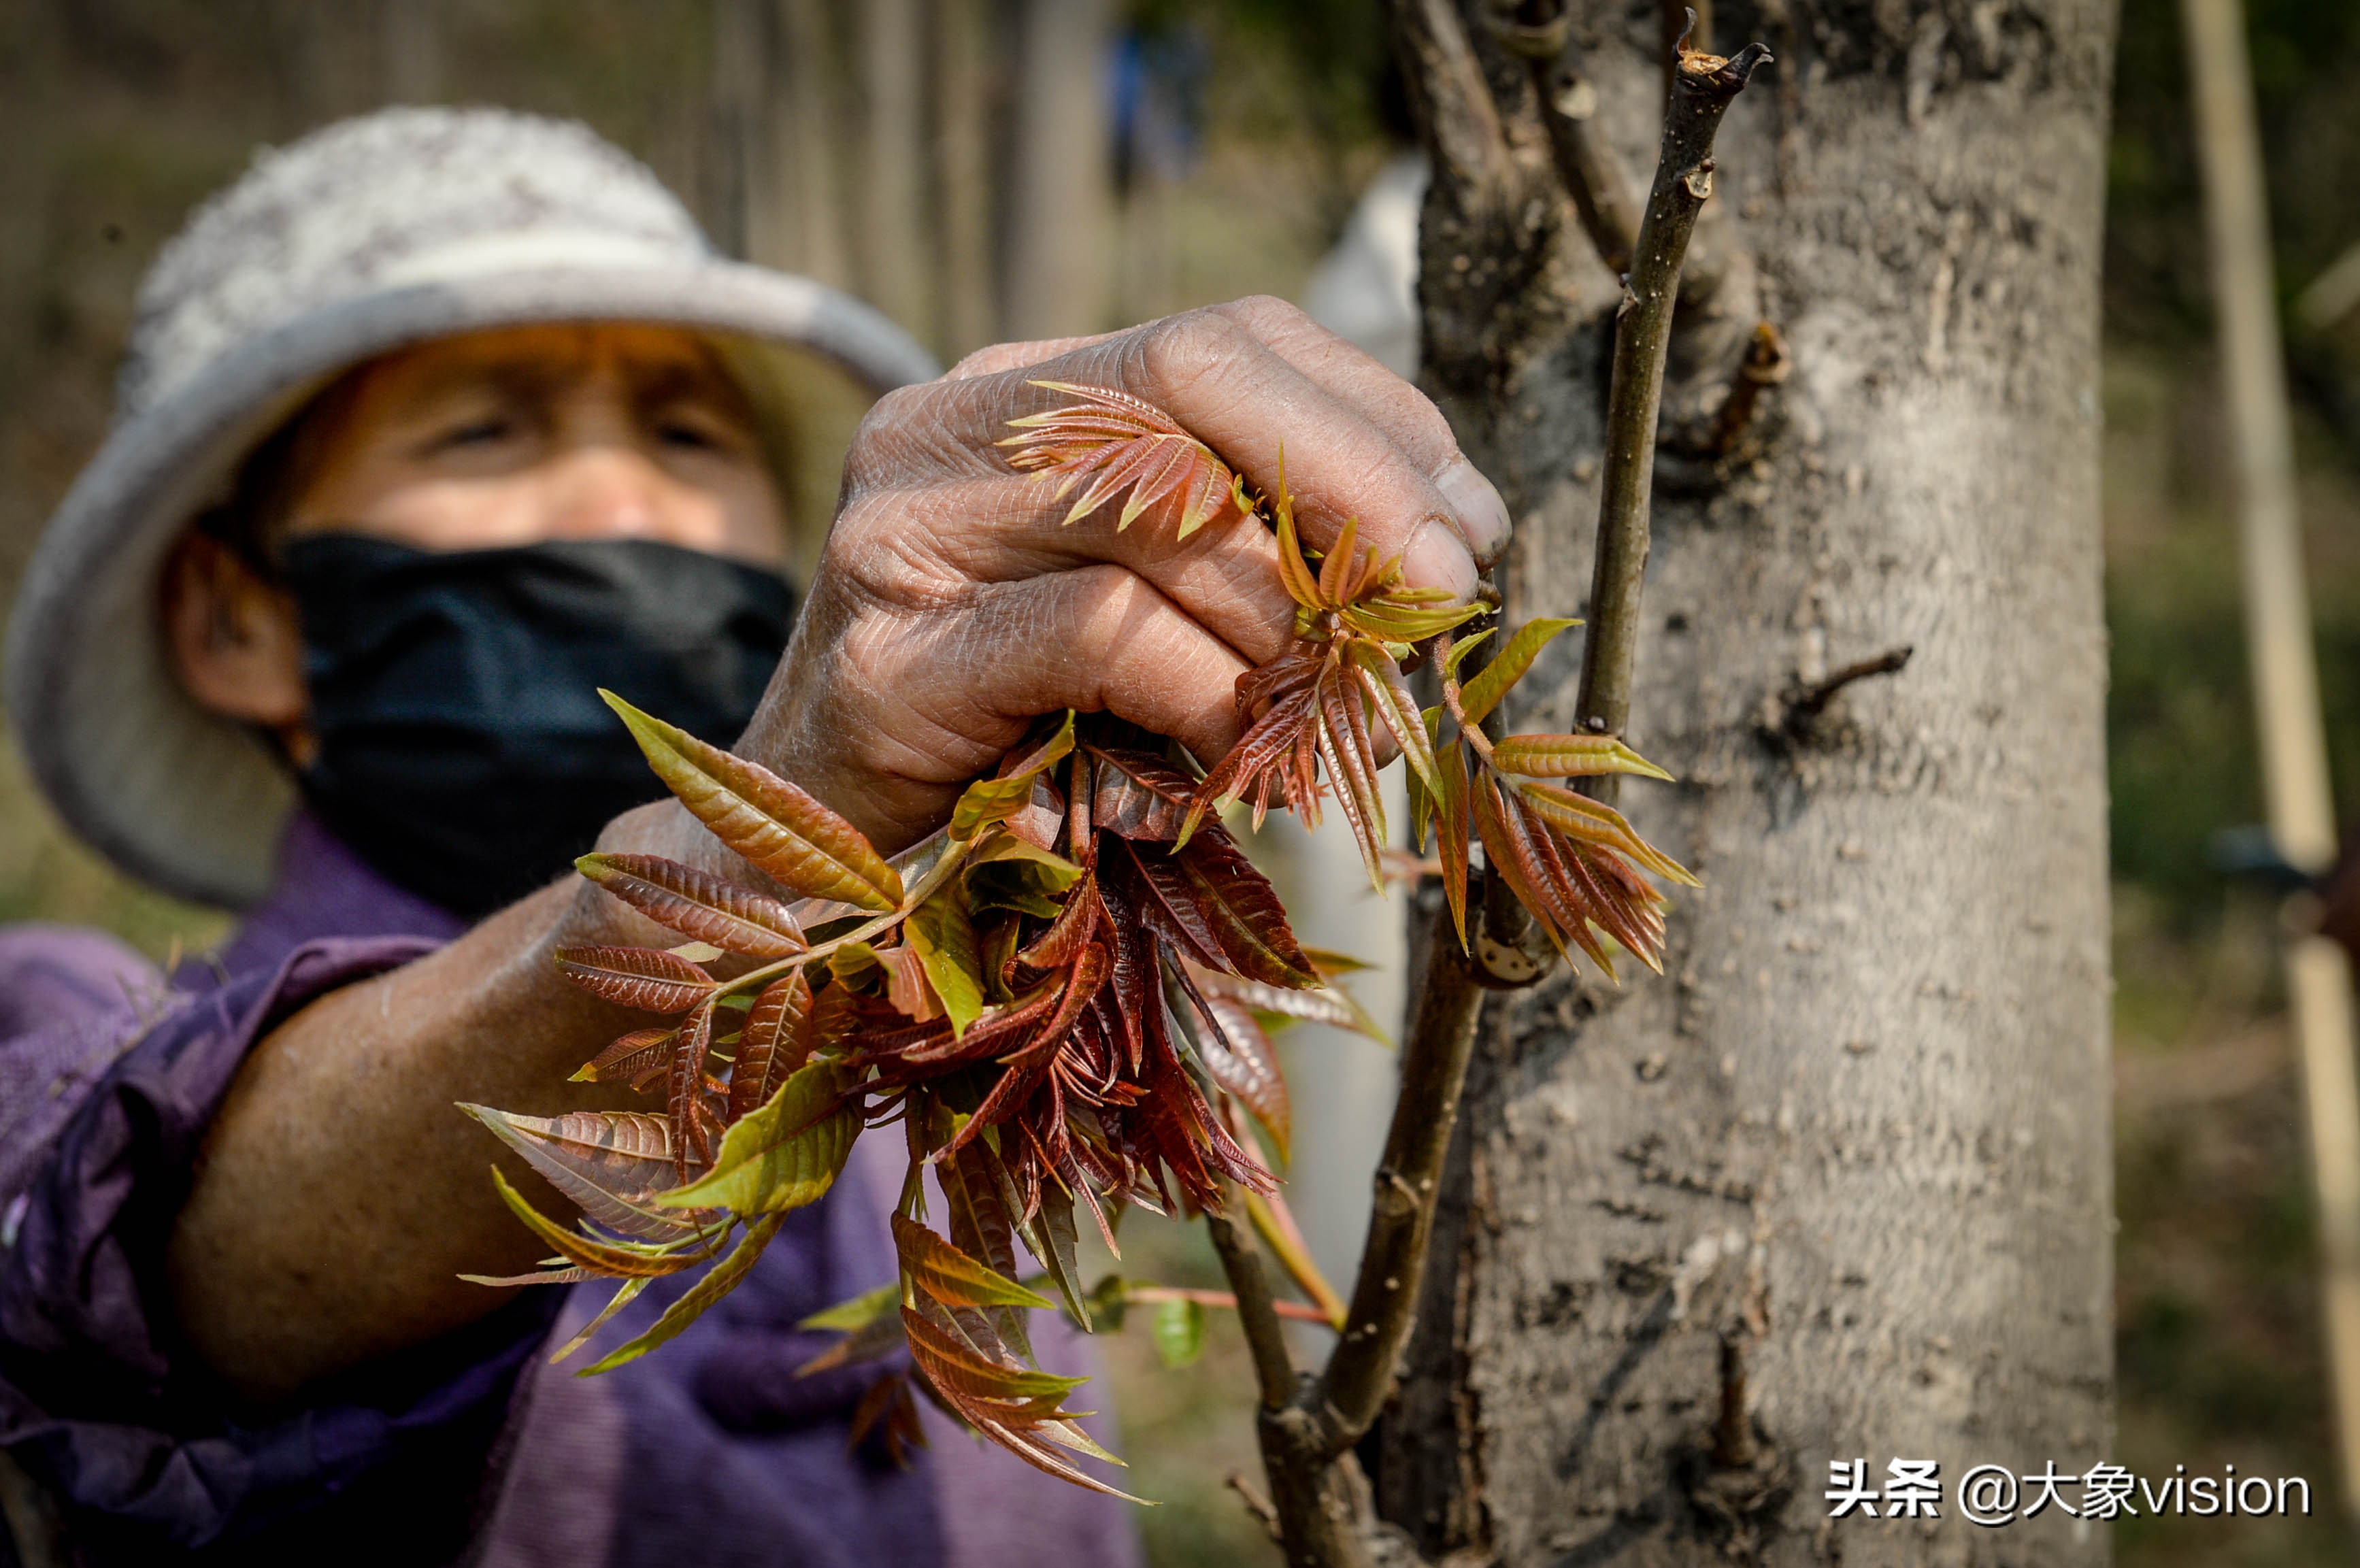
[105,1107]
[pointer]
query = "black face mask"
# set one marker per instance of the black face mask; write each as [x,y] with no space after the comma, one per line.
[463,750]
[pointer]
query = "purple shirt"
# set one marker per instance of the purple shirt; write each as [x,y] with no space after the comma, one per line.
[468,1448]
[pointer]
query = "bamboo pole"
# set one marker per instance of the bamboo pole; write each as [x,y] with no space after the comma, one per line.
[2284,665]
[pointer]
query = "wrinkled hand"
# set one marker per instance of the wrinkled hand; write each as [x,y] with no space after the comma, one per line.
[953,604]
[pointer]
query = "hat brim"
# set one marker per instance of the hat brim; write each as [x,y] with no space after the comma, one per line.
[195,804]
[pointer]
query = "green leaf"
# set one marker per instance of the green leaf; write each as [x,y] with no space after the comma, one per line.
[945,1274]
[1050,1236]
[1054,871]
[785,1155]
[770,822]
[1450,832]
[718,1281]
[1462,648]
[1007,873]
[1389,620]
[990,800]
[849,1317]
[620,1260]
[1480,695]
[1179,1331]
[943,935]
[1570,756]
[625,1294]
[1110,1300]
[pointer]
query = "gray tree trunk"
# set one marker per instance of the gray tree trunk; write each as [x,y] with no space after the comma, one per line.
[1854,1147]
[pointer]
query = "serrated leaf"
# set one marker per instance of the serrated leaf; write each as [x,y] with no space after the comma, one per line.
[872,1340]
[1480,695]
[850,1316]
[888,1407]
[942,935]
[1570,756]
[1216,907]
[1137,796]
[1017,1409]
[944,1274]
[774,1042]
[990,800]
[1389,698]
[1293,571]
[719,1280]
[958,1369]
[1179,1328]
[982,1227]
[786,1154]
[1451,830]
[1326,1004]
[625,1294]
[697,904]
[1121,443]
[1460,648]
[1344,749]
[612,1164]
[1242,1060]
[648,979]
[770,823]
[1592,822]
[1390,620]
[635,1058]
[616,1262]
[1051,1237]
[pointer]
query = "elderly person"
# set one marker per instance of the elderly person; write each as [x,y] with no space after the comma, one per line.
[432,425]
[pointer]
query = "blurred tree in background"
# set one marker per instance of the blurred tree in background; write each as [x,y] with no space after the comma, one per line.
[992,167]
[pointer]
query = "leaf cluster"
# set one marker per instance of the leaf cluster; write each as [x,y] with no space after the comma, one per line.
[1064,998]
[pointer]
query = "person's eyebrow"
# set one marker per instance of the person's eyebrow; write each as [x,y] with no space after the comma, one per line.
[526,380]
[672,380]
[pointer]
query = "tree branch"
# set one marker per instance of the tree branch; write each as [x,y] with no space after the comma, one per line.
[1434,1069]
[1257,1309]
[1703,87]
[1585,161]
[1447,94]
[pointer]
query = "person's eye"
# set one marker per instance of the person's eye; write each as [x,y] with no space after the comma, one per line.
[473,433]
[686,435]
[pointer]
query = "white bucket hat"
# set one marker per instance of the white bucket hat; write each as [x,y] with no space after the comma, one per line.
[377,233]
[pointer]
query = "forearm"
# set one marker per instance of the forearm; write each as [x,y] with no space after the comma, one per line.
[341,1195]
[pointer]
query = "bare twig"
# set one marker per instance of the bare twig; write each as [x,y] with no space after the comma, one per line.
[1220,1301]
[1276,1224]
[1307,1425]
[1257,1311]
[1795,712]
[1704,85]
[1585,161]
[1434,1069]
[1256,1504]
[1447,94]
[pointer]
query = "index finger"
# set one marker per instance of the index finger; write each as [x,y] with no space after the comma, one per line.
[1271,423]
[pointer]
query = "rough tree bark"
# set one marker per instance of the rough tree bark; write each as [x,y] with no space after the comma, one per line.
[1837,1186]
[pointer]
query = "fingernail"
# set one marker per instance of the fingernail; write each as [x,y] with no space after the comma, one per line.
[1482,516]
[1437,557]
